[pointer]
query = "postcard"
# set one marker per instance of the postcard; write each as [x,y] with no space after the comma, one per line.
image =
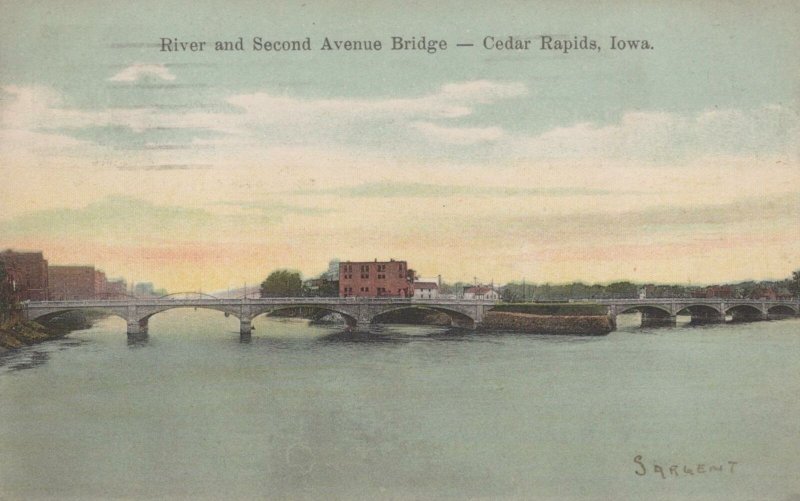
[399,250]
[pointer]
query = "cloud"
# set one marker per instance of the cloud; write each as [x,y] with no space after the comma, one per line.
[133,221]
[422,190]
[658,136]
[263,115]
[138,71]
[252,127]
[450,101]
[458,135]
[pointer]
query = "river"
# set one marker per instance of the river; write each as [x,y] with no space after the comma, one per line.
[309,412]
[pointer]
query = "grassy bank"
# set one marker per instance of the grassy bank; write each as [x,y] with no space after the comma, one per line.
[586,325]
[560,309]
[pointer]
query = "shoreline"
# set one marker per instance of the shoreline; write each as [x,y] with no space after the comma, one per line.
[18,334]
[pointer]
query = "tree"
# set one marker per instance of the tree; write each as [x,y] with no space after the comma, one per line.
[329,288]
[622,289]
[282,283]
[7,298]
[794,286]
[509,295]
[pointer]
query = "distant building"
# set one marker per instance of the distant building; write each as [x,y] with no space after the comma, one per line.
[116,287]
[321,287]
[715,291]
[375,279]
[426,290]
[144,289]
[29,273]
[72,282]
[481,292]
[770,294]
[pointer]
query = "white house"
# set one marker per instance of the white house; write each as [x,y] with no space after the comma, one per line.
[481,292]
[426,290]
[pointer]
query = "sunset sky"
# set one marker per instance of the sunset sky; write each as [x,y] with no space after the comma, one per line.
[205,170]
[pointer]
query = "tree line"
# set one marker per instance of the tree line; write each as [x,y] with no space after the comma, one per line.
[289,283]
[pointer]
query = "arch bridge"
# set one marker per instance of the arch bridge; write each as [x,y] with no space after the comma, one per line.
[663,311]
[358,313]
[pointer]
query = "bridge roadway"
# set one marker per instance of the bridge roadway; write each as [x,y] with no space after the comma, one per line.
[358,313]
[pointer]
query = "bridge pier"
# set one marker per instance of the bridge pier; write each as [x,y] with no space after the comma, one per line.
[137,327]
[703,319]
[463,324]
[362,327]
[649,320]
[245,330]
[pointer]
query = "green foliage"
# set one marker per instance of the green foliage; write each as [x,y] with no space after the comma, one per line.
[329,288]
[6,291]
[282,283]
[567,309]
[454,288]
[622,289]
[794,284]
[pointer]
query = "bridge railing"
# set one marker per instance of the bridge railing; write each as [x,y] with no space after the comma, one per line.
[697,300]
[254,301]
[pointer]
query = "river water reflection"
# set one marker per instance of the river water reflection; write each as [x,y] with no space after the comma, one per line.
[308,412]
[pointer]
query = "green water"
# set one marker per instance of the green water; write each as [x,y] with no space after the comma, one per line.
[406,413]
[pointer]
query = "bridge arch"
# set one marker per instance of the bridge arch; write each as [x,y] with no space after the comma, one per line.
[699,310]
[782,310]
[44,316]
[350,319]
[702,313]
[188,295]
[745,313]
[650,309]
[457,318]
[145,314]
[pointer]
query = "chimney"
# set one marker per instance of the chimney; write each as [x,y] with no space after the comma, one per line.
[439,282]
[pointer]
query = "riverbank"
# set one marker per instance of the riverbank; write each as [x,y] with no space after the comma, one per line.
[20,333]
[15,335]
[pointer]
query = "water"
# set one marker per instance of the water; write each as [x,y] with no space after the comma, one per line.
[408,413]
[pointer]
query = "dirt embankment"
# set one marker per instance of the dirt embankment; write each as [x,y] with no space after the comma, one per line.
[587,325]
[19,334]
[16,334]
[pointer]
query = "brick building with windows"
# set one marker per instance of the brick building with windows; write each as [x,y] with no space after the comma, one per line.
[29,274]
[375,279]
[72,282]
[100,282]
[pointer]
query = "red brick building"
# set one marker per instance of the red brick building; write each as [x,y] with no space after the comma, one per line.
[100,282]
[29,272]
[72,282]
[375,279]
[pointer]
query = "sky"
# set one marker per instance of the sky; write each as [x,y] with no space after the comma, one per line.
[207,170]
